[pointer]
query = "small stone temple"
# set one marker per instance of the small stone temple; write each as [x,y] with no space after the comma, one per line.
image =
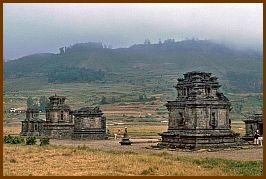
[89,123]
[32,125]
[199,117]
[63,123]
[59,120]
[252,123]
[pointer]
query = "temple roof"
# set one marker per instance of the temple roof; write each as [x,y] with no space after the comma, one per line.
[57,97]
[254,118]
[88,111]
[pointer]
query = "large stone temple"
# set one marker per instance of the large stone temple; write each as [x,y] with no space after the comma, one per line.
[63,123]
[199,117]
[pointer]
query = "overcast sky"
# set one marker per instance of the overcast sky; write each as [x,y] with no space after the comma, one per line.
[34,28]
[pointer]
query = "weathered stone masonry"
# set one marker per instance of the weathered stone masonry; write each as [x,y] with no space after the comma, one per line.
[252,123]
[89,123]
[32,125]
[199,117]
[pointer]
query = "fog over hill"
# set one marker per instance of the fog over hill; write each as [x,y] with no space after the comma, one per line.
[43,27]
[85,62]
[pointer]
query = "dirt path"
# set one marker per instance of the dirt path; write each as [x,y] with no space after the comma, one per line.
[248,153]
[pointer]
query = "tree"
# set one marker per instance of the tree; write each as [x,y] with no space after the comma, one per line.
[113,99]
[160,42]
[103,100]
[141,98]
[147,42]
[145,97]
[31,104]
[153,98]
[61,50]
[43,103]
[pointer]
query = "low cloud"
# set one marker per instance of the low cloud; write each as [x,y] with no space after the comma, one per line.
[33,28]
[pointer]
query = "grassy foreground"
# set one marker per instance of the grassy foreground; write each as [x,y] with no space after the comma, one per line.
[58,160]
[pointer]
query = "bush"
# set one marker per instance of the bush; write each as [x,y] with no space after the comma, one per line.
[31,140]
[44,141]
[17,140]
[13,140]
[7,139]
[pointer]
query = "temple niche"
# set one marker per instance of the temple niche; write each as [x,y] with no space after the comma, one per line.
[89,124]
[199,117]
[32,125]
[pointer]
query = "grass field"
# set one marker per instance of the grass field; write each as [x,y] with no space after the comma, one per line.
[142,118]
[21,160]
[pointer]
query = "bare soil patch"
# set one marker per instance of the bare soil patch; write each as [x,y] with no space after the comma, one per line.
[248,153]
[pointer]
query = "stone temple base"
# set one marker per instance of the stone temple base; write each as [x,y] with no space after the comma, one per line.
[248,138]
[58,130]
[90,135]
[30,133]
[189,138]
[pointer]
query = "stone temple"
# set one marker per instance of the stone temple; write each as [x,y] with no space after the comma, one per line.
[59,119]
[89,124]
[252,123]
[199,117]
[32,125]
[63,123]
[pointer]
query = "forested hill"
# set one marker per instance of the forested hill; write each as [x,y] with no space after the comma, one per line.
[86,62]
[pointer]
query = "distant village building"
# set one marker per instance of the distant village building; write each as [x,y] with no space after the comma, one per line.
[89,123]
[199,117]
[18,110]
[252,124]
[32,125]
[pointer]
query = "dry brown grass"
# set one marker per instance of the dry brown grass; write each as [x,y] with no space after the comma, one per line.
[139,130]
[57,160]
[132,109]
[239,127]
[11,130]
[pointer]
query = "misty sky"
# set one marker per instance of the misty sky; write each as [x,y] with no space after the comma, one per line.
[36,28]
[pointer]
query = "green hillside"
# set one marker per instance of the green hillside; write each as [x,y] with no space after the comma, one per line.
[239,71]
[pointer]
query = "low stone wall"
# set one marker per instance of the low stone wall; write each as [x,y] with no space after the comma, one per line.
[89,135]
[58,131]
[30,134]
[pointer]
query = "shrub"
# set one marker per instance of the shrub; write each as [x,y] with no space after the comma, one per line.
[13,140]
[17,140]
[31,140]
[7,139]
[44,141]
